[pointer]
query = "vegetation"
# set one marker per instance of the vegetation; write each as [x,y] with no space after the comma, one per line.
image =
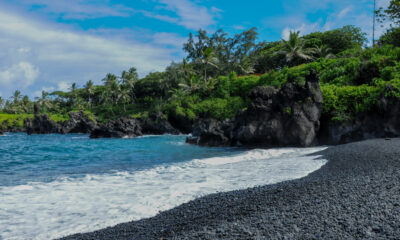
[218,72]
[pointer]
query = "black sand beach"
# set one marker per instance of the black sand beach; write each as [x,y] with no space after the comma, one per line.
[356,195]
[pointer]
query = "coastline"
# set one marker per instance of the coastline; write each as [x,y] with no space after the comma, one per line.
[355,195]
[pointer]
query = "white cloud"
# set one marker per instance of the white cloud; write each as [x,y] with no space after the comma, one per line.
[191,15]
[344,12]
[20,75]
[68,56]
[63,86]
[303,29]
[80,9]
[169,39]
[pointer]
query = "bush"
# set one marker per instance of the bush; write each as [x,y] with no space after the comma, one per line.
[344,102]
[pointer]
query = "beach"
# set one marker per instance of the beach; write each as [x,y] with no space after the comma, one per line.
[354,196]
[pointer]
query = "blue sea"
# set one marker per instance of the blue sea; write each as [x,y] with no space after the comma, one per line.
[55,185]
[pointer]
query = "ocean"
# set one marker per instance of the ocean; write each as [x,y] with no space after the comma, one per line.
[55,185]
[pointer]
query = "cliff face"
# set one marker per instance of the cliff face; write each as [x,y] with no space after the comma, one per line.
[383,120]
[78,123]
[288,117]
[292,116]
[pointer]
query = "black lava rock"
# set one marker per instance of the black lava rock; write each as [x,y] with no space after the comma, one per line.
[118,128]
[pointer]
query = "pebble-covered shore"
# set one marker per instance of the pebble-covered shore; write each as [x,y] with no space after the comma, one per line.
[356,195]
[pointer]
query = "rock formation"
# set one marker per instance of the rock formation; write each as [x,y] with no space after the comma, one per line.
[288,117]
[157,124]
[42,124]
[118,128]
[383,120]
[78,122]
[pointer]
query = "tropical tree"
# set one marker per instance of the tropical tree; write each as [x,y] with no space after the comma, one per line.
[43,101]
[89,88]
[392,13]
[322,52]
[207,59]
[129,79]
[294,49]
[124,96]
[110,79]
[16,96]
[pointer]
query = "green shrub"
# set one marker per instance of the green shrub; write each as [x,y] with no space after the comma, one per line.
[344,102]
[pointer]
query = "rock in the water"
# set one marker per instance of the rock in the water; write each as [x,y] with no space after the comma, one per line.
[181,123]
[210,132]
[157,124]
[288,117]
[79,122]
[1,133]
[42,124]
[118,128]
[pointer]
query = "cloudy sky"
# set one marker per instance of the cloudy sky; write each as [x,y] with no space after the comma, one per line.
[50,44]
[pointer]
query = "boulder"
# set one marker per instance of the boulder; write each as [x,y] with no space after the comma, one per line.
[210,132]
[118,128]
[286,117]
[181,123]
[157,124]
[42,124]
[78,122]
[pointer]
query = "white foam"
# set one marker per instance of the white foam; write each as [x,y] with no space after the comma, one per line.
[71,205]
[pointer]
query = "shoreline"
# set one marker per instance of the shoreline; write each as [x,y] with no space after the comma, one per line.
[354,195]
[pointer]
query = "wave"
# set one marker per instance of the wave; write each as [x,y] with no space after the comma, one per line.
[80,204]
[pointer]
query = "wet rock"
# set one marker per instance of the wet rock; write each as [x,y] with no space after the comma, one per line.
[79,122]
[118,128]
[210,132]
[288,117]
[157,124]
[181,123]
[42,124]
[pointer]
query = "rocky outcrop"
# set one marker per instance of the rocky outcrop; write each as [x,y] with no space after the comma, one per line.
[1,133]
[288,117]
[78,122]
[383,120]
[157,124]
[210,132]
[7,126]
[42,124]
[118,128]
[181,123]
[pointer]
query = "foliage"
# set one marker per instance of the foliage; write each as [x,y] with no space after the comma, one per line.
[392,37]
[219,71]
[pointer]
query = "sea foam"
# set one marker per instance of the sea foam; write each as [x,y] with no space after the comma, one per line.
[69,205]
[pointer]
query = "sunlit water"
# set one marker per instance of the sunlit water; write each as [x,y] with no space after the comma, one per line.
[55,185]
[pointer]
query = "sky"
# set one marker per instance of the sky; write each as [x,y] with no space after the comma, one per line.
[46,45]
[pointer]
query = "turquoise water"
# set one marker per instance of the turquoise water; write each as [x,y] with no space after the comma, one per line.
[44,158]
[55,185]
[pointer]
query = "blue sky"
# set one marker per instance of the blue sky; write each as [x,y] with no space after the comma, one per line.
[50,44]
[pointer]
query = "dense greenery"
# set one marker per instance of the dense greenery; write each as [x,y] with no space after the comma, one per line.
[218,72]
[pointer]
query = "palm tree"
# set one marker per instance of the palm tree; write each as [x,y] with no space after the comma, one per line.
[1,102]
[43,101]
[89,87]
[208,59]
[323,52]
[16,96]
[110,79]
[123,96]
[74,96]
[293,49]
[129,80]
